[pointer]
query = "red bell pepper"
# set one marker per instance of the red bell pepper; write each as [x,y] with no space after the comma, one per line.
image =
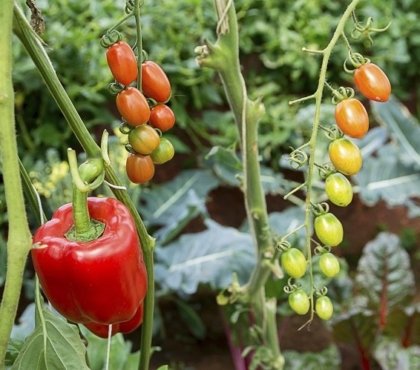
[122,327]
[102,281]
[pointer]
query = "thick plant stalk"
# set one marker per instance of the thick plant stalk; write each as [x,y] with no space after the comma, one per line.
[19,237]
[224,58]
[39,56]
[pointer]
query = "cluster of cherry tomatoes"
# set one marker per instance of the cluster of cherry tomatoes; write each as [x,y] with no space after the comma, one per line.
[352,119]
[145,113]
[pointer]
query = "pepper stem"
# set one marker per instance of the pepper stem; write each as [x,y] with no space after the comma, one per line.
[87,177]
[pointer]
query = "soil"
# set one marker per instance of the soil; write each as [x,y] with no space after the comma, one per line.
[361,224]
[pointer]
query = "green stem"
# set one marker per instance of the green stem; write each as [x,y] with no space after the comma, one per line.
[139,42]
[35,49]
[19,237]
[313,140]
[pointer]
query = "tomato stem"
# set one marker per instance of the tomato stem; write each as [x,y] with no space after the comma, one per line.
[19,237]
[139,43]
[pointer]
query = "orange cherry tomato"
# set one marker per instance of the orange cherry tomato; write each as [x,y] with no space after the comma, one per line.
[372,82]
[122,62]
[133,106]
[140,168]
[352,118]
[162,117]
[154,82]
[144,139]
[345,156]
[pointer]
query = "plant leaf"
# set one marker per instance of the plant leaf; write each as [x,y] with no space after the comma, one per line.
[328,359]
[209,257]
[403,126]
[175,203]
[390,355]
[58,347]
[384,274]
[191,319]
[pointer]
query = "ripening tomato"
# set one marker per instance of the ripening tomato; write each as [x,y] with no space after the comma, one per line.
[352,118]
[293,262]
[144,139]
[122,62]
[324,308]
[164,152]
[133,106]
[154,82]
[372,82]
[345,156]
[299,302]
[328,229]
[329,265]
[338,189]
[162,117]
[140,168]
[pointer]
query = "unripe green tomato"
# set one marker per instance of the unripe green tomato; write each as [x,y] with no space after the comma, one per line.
[338,189]
[328,229]
[329,265]
[164,152]
[293,262]
[299,302]
[324,308]
[144,139]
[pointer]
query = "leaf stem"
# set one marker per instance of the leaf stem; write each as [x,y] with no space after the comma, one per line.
[19,237]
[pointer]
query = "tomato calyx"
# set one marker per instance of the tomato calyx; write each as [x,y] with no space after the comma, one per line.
[110,38]
[115,88]
[320,209]
[364,31]
[340,94]
[356,60]
[125,128]
[325,170]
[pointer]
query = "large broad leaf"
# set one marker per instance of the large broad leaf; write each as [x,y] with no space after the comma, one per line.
[175,203]
[386,177]
[54,344]
[208,257]
[384,274]
[328,359]
[403,127]
[391,356]
[284,222]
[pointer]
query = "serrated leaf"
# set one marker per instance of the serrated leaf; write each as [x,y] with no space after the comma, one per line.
[384,274]
[208,257]
[390,355]
[385,177]
[328,359]
[175,203]
[403,126]
[55,344]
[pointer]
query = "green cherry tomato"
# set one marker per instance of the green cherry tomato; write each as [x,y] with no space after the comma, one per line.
[293,262]
[299,302]
[329,265]
[164,152]
[328,229]
[144,139]
[324,308]
[338,189]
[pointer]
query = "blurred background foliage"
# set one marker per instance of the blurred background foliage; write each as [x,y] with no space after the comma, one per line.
[272,36]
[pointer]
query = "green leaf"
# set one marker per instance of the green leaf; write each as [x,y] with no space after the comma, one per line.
[390,355]
[403,127]
[226,165]
[163,367]
[191,319]
[175,203]
[383,273]
[328,359]
[208,257]
[26,323]
[54,344]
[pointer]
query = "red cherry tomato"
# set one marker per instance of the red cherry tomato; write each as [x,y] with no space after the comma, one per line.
[372,82]
[162,117]
[140,169]
[345,156]
[122,62]
[144,139]
[352,118]
[133,106]
[154,82]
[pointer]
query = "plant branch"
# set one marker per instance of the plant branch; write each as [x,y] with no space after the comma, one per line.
[19,237]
